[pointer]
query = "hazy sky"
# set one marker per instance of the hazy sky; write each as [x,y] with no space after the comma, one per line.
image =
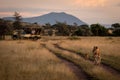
[90,11]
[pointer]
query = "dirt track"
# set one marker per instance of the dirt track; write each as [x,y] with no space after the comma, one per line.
[74,68]
[106,67]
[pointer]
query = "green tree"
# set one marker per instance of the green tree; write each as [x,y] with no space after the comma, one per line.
[116,25]
[98,30]
[62,28]
[85,30]
[17,22]
[47,26]
[78,32]
[116,32]
[116,28]
[5,28]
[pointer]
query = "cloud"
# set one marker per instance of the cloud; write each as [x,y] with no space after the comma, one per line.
[52,4]
[5,14]
[25,12]
[85,9]
[23,9]
[28,12]
[90,3]
[118,4]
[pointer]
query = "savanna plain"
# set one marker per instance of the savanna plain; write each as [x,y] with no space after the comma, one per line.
[59,58]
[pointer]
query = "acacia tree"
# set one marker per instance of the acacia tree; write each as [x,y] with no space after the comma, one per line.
[5,28]
[116,27]
[62,29]
[17,22]
[47,26]
[98,30]
[78,32]
[83,30]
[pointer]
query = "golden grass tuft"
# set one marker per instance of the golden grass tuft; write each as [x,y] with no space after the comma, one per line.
[30,61]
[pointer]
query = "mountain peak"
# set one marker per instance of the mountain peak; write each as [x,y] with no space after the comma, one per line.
[57,13]
[54,17]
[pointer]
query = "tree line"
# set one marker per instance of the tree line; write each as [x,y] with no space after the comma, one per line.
[63,29]
[85,30]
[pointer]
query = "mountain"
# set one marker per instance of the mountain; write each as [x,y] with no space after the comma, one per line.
[9,18]
[107,25]
[52,18]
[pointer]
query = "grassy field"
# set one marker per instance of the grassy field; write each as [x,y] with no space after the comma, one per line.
[29,60]
[109,48]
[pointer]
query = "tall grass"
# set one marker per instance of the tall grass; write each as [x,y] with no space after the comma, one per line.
[94,72]
[109,48]
[30,61]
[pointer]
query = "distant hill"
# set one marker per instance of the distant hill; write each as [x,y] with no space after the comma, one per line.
[9,18]
[107,25]
[51,18]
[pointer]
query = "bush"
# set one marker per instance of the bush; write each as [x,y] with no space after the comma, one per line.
[74,38]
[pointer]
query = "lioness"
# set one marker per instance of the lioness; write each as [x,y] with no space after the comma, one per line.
[96,55]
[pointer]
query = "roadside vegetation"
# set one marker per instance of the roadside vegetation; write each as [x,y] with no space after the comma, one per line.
[28,60]
[41,60]
[59,28]
[93,72]
[109,49]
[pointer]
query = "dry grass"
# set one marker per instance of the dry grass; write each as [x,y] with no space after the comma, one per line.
[95,72]
[109,48]
[85,44]
[28,60]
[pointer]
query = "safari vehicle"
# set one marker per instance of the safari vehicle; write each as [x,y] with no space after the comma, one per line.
[27,33]
[30,36]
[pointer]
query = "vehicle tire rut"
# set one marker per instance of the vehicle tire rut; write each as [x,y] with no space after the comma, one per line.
[80,74]
[106,67]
